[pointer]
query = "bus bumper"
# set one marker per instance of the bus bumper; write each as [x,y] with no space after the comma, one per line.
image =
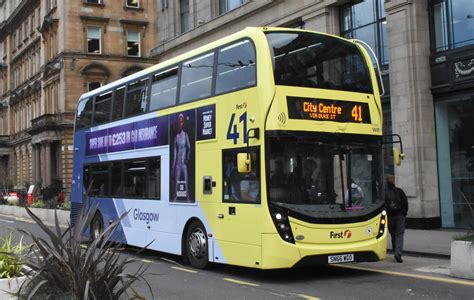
[278,254]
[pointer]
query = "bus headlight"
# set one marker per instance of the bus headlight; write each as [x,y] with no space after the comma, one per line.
[383,221]
[282,224]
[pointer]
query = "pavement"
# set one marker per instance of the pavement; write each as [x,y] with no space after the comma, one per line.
[434,242]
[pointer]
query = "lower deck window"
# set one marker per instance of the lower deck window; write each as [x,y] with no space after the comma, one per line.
[138,178]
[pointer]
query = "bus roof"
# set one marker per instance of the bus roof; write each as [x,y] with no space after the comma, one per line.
[247,32]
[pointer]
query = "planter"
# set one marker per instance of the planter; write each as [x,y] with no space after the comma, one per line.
[46,215]
[10,285]
[462,259]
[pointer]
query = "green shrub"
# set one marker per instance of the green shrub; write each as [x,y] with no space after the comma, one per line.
[11,257]
[468,237]
[64,268]
[38,204]
[66,205]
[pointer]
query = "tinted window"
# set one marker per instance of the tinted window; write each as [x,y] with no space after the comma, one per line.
[136,98]
[154,178]
[119,97]
[102,108]
[139,178]
[84,113]
[318,61]
[196,78]
[116,179]
[100,180]
[239,187]
[236,67]
[134,179]
[163,89]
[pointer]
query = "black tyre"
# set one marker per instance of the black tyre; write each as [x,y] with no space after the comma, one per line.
[97,226]
[197,246]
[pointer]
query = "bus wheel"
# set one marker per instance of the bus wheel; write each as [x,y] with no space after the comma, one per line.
[196,246]
[97,226]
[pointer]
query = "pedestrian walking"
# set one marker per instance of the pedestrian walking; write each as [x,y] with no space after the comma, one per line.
[397,207]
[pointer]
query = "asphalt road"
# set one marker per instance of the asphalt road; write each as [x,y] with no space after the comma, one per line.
[416,278]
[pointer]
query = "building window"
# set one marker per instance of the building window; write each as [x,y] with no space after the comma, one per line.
[26,29]
[132,3]
[452,24]
[227,5]
[92,85]
[94,40]
[366,21]
[184,15]
[94,1]
[32,23]
[133,43]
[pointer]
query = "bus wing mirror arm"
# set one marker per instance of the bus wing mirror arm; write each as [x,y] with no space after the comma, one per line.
[398,155]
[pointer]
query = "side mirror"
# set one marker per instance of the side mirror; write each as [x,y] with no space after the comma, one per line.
[397,156]
[244,164]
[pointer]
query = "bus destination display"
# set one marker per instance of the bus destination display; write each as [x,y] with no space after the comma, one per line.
[328,110]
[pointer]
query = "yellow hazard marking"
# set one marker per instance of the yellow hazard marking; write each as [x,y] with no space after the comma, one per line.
[308,297]
[184,270]
[240,282]
[148,261]
[425,277]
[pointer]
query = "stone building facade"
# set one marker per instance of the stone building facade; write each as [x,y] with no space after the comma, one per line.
[51,52]
[403,33]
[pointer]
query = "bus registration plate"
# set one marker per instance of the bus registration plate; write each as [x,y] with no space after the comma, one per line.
[335,259]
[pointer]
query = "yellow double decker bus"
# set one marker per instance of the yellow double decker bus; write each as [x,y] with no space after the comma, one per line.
[262,149]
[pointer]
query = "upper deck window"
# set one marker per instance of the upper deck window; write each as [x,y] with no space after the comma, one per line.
[318,61]
[236,67]
[196,78]
[136,98]
[119,99]
[163,89]
[102,106]
[84,113]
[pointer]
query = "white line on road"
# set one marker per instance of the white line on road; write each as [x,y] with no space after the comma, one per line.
[6,221]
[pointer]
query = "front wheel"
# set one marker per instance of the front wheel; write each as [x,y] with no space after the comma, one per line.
[197,246]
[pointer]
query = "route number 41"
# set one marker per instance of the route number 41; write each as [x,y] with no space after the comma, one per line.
[233,131]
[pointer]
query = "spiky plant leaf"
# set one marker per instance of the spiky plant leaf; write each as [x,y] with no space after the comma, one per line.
[61,264]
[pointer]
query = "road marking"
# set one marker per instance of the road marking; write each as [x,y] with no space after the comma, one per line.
[240,282]
[184,270]
[6,221]
[148,261]
[307,297]
[425,277]
[171,261]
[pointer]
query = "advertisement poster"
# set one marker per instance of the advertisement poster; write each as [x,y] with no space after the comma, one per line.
[206,122]
[142,134]
[182,152]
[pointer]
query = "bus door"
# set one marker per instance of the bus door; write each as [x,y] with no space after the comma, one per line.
[240,213]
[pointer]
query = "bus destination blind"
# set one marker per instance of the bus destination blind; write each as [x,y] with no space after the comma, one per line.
[328,110]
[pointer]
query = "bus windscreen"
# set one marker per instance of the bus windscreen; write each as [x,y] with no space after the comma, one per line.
[318,61]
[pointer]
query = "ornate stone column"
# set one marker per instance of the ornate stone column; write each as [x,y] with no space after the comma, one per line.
[47,151]
[36,163]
